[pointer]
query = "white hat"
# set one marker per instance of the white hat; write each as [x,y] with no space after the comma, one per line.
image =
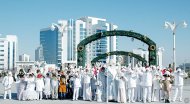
[167,73]
[179,70]
[156,73]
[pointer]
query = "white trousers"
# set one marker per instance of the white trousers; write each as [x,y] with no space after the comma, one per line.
[7,92]
[156,95]
[138,93]
[76,93]
[39,95]
[147,93]
[99,95]
[131,92]
[178,91]
[86,91]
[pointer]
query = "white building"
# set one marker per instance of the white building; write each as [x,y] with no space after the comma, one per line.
[24,57]
[144,53]
[74,32]
[103,45]
[8,52]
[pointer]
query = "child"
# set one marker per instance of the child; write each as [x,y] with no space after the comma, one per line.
[62,87]
[7,83]
[47,87]
[166,86]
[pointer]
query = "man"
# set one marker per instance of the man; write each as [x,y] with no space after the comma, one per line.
[111,81]
[7,83]
[132,78]
[178,83]
[147,85]
[87,86]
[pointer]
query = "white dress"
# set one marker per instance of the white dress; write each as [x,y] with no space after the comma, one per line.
[39,84]
[30,93]
[47,86]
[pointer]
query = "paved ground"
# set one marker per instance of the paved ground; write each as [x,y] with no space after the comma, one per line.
[186,98]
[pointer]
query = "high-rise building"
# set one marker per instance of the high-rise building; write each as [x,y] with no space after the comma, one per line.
[49,39]
[39,54]
[103,45]
[60,46]
[60,43]
[8,51]
[24,57]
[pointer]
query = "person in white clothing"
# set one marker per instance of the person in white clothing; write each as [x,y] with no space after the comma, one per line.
[47,86]
[30,93]
[87,86]
[39,86]
[98,88]
[7,83]
[147,85]
[121,89]
[77,85]
[132,78]
[178,83]
[156,87]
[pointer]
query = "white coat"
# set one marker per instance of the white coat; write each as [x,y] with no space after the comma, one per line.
[132,80]
[147,79]
[47,86]
[7,82]
[179,78]
[86,78]
[77,83]
[39,84]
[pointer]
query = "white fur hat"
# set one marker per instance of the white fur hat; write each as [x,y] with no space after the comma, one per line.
[179,70]
[167,73]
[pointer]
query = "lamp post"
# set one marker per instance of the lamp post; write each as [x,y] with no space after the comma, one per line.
[173,26]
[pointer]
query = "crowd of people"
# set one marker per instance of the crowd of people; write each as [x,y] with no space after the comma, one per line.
[101,82]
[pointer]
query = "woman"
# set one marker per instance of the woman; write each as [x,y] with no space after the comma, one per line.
[30,93]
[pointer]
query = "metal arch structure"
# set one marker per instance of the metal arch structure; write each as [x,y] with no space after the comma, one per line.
[103,56]
[81,54]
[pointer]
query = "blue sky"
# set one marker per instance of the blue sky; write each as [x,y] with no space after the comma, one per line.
[25,18]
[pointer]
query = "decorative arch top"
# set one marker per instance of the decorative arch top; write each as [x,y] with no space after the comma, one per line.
[151,44]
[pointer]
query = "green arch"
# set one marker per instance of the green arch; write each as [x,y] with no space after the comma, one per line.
[81,46]
[102,56]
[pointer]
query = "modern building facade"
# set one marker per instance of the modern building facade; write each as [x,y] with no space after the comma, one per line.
[59,43]
[24,57]
[8,52]
[49,39]
[95,25]
[39,54]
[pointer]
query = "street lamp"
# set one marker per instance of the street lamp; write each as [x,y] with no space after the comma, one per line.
[173,27]
[61,28]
